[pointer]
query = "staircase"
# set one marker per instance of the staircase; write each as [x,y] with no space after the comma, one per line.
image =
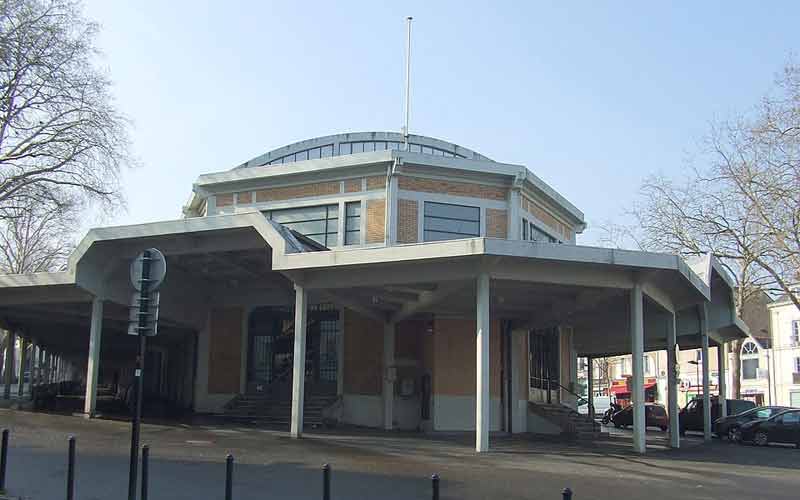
[271,412]
[572,423]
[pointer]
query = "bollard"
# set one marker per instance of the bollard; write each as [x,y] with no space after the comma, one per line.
[71,469]
[566,494]
[326,482]
[435,484]
[3,460]
[145,470]
[229,477]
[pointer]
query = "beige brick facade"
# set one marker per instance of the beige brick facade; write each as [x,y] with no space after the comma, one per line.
[353,185]
[376,217]
[376,182]
[407,227]
[496,223]
[224,200]
[300,191]
[454,188]
[224,350]
[454,370]
[245,197]
[537,211]
[363,354]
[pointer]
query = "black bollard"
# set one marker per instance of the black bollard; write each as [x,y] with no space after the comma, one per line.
[326,482]
[435,485]
[71,469]
[3,460]
[229,477]
[145,470]
[566,494]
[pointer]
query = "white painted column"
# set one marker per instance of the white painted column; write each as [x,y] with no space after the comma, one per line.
[590,386]
[11,343]
[23,360]
[390,225]
[672,384]
[299,362]
[93,363]
[637,362]
[482,396]
[722,376]
[706,376]
[35,352]
[514,217]
[389,375]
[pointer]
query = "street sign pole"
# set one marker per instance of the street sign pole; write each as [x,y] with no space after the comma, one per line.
[147,272]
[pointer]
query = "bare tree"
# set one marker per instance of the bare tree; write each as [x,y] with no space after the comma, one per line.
[35,240]
[742,206]
[60,135]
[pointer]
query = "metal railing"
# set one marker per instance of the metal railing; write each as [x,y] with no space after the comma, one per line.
[566,493]
[548,385]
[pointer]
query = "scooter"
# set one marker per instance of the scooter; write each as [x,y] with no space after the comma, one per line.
[614,408]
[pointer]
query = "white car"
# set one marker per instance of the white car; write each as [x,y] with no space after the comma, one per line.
[601,404]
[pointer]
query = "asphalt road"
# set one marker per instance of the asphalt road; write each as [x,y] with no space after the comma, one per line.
[188,463]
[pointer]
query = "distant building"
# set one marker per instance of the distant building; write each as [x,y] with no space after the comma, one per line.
[784,327]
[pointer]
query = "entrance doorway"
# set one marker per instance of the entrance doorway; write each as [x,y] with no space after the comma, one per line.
[544,366]
[271,350]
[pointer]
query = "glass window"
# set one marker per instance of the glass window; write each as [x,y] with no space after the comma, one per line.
[790,418]
[394,145]
[750,368]
[345,148]
[444,221]
[358,147]
[415,148]
[300,156]
[319,223]
[326,151]
[750,348]
[794,336]
[314,153]
[427,150]
[524,229]
[797,365]
[352,227]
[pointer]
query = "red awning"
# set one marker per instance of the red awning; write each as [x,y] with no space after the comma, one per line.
[623,389]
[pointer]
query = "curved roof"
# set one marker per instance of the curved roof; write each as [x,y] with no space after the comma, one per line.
[358,142]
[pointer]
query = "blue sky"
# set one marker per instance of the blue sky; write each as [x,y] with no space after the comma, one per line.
[590,96]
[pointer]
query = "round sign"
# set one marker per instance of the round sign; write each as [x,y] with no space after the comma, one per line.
[154,262]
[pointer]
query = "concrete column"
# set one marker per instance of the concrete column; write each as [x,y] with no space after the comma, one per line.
[722,375]
[482,396]
[514,217]
[11,342]
[23,361]
[590,386]
[93,364]
[519,379]
[389,375]
[706,376]
[637,362]
[390,226]
[672,384]
[299,362]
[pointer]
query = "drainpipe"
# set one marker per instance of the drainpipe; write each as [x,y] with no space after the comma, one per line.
[390,211]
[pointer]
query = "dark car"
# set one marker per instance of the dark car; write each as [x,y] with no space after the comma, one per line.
[691,417]
[729,426]
[655,415]
[782,428]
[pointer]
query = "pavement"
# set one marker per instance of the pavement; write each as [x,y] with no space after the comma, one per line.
[187,462]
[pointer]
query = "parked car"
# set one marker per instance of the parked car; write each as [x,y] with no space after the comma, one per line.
[655,415]
[601,404]
[782,428]
[730,426]
[691,416]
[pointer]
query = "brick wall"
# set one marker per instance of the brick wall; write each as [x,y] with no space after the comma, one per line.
[454,357]
[224,200]
[352,185]
[363,354]
[300,191]
[407,227]
[496,223]
[376,216]
[454,188]
[376,182]
[544,216]
[225,350]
